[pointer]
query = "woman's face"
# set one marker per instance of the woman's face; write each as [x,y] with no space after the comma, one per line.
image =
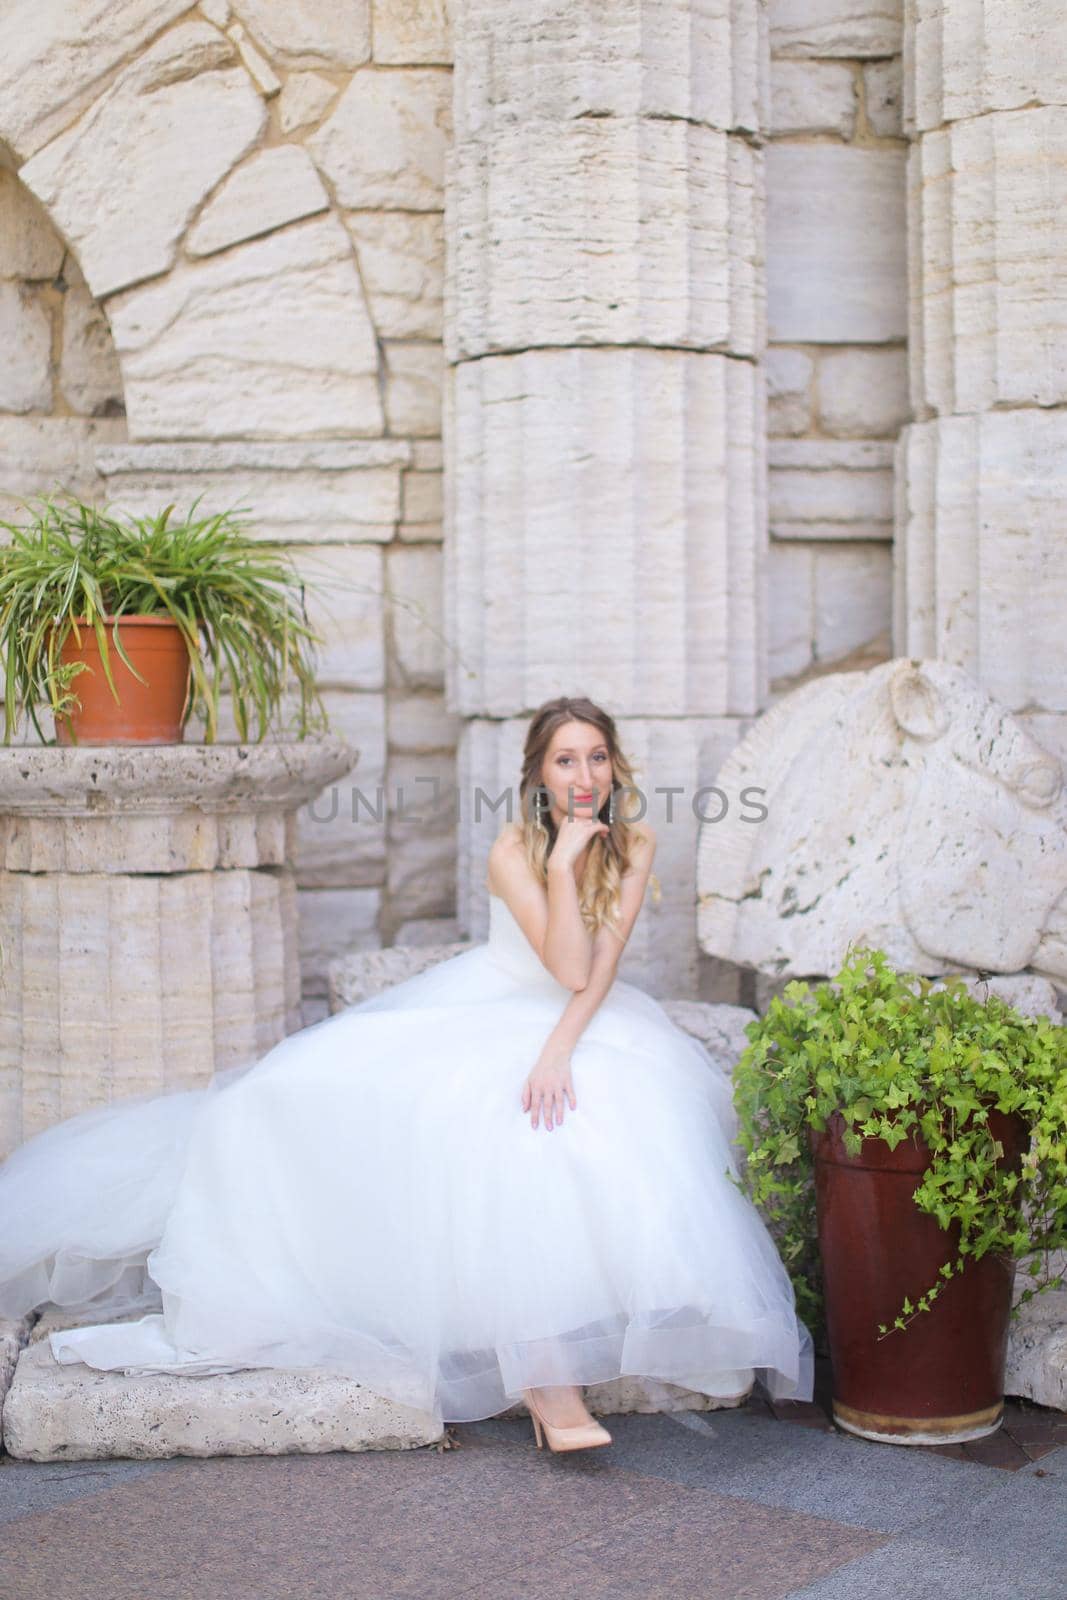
[576,771]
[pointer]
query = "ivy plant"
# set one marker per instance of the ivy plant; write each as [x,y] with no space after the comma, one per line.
[903,1056]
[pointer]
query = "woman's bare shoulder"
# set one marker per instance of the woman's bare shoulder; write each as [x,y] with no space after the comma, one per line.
[507,844]
[644,835]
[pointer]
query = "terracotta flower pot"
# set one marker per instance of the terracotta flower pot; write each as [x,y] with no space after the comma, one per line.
[145,713]
[940,1379]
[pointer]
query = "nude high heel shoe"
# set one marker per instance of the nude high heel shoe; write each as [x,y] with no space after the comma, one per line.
[583,1436]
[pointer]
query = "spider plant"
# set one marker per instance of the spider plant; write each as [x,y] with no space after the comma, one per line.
[238,601]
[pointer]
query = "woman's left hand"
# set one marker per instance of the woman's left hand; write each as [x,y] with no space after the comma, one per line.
[549,1085]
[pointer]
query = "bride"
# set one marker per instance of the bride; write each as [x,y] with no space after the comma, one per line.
[508,1176]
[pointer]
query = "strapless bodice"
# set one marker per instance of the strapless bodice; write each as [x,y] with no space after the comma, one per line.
[510,948]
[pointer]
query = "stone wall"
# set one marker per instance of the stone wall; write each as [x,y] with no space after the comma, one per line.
[837,324]
[270,268]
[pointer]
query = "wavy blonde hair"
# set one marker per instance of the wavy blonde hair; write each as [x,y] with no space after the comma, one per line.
[610,853]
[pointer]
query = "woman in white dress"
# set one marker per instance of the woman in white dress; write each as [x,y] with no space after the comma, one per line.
[509,1176]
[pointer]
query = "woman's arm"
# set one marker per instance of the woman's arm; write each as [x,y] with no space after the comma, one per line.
[607,949]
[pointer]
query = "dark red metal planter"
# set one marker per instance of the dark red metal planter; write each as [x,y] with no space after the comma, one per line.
[941,1379]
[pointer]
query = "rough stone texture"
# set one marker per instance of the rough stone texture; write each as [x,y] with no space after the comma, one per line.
[345,606]
[835,27]
[14,1334]
[654,58]
[29,245]
[1037,1342]
[57,57]
[259,68]
[627,447]
[26,340]
[362,973]
[271,339]
[813,97]
[35,452]
[340,838]
[830,489]
[789,391]
[851,598]
[310,33]
[968,59]
[131,963]
[333,921]
[276,186]
[89,375]
[401,262]
[414,374]
[305,98]
[314,492]
[974,877]
[414,579]
[413,32]
[173,124]
[605,230]
[987,201]
[384,145]
[836,268]
[72,1412]
[864,392]
[980,579]
[791,609]
[883,88]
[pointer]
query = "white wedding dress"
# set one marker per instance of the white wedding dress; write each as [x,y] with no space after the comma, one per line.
[370,1198]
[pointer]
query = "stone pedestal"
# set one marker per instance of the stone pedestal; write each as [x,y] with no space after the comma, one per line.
[147,917]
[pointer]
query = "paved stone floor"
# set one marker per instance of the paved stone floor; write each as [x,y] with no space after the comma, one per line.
[757,1503]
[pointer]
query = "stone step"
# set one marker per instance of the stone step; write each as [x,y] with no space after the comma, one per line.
[71,1412]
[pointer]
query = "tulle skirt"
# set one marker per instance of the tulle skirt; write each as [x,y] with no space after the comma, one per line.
[370,1198]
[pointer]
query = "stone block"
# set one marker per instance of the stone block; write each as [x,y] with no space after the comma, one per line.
[703,65]
[978,543]
[791,606]
[333,921]
[272,188]
[339,842]
[318,491]
[813,97]
[606,230]
[414,609]
[851,598]
[864,393]
[970,59]
[60,56]
[423,498]
[836,267]
[830,489]
[789,390]
[310,33]
[26,340]
[173,123]
[413,32]
[401,262]
[36,453]
[847,28]
[421,722]
[384,145]
[89,375]
[270,340]
[72,1412]
[627,447]
[30,247]
[987,199]
[421,864]
[414,375]
[345,601]
[883,93]
[304,100]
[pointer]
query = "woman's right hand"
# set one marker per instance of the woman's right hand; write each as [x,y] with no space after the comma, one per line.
[572,837]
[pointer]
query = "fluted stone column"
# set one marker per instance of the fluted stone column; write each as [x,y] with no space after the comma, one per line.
[605,517]
[148,929]
[982,475]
